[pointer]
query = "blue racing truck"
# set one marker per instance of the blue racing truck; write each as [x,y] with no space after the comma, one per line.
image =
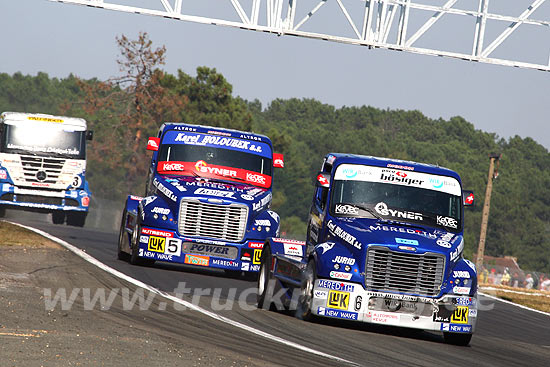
[384,246]
[43,166]
[207,201]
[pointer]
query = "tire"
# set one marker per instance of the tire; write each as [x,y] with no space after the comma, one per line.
[134,247]
[462,340]
[2,211]
[58,217]
[264,277]
[309,277]
[77,219]
[122,236]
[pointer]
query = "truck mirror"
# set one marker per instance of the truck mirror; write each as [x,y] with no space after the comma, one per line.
[89,135]
[153,144]
[278,160]
[468,198]
[323,179]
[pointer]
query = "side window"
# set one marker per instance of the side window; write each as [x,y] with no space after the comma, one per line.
[321,194]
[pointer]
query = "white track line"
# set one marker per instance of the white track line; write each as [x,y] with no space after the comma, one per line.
[514,304]
[191,306]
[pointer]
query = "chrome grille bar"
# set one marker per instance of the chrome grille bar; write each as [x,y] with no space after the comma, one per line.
[223,222]
[420,274]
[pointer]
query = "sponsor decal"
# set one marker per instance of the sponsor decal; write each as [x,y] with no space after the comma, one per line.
[217,141]
[262,222]
[260,204]
[344,260]
[337,313]
[273,215]
[447,222]
[444,240]
[382,209]
[460,315]
[247,197]
[407,248]
[286,240]
[166,191]
[134,197]
[383,317]
[338,300]
[143,239]
[254,267]
[3,174]
[456,253]
[210,192]
[335,286]
[156,244]
[358,302]
[320,294]
[45,119]
[246,255]
[218,133]
[227,252]
[461,274]
[403,230]
[346,209]
[461,290]
[292,249]
[159,210]
[156,232]
[202,240]
[255,178]
[226,263]
[464,301]
[169,166]
[85,201]
[327,246]
[471,265]
[340,275]
[173,247]
[257,257]
[473,312]
[245,266]
[196,260]
[149,200]
[256,245]
[201,166]
[456,328]
[339,232]
[404,241]
[399,177]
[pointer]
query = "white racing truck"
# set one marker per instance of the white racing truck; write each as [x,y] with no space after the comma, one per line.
[43,166]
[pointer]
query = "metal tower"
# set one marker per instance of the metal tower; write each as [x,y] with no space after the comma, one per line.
[465,29]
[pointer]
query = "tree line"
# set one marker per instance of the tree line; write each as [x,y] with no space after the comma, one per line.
[123,111]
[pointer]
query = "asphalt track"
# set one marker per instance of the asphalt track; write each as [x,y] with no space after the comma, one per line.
[506,335]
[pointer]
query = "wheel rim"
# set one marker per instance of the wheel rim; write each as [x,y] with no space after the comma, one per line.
[307,289]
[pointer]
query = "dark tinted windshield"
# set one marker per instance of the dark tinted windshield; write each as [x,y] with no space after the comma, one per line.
[51,142]
[402,202]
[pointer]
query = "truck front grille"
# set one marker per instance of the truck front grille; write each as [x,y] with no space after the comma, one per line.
[223,222]
[50,166]
[393,271]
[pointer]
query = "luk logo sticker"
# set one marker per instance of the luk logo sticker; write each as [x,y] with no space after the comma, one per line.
[460,315]
[338,300]
[156,244]
[257,257]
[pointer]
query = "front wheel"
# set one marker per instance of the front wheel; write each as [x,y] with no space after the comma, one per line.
[58,217]
[134,248]
[457,339]
[305,302]
[77,219]
[264,278]
[122,236]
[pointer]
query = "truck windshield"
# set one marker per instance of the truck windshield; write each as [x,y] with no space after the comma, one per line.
[396,195]
[43,141]
[212,156]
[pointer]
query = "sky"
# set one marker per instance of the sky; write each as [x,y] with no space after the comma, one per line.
[59,39]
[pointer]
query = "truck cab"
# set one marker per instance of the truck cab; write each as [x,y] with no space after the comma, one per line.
[207,200]
[43,166]
[384,245]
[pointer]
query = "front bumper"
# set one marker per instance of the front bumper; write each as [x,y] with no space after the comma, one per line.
[166,245]
[350,301]
[68,200]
